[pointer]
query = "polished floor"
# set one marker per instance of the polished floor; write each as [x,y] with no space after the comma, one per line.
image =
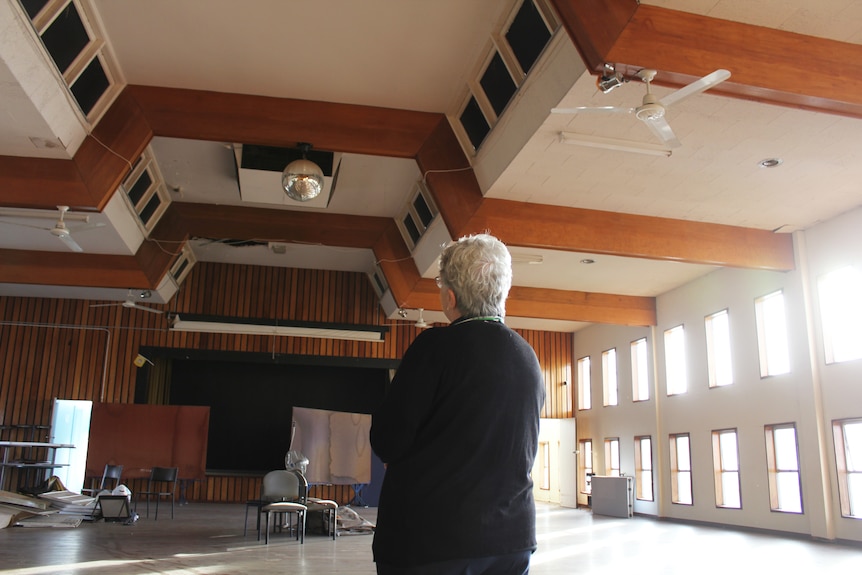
[206,539]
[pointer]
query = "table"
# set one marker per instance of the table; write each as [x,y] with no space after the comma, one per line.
[47,464]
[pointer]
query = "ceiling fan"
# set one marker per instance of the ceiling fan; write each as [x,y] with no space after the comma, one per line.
[652,110]
[60,230]
[131,302]
[420,322]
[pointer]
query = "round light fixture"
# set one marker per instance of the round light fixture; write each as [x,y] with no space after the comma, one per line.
[302,179]
[588,261]
[770,162]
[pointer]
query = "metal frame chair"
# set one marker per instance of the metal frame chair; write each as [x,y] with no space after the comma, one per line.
[327,506]
[166,476]
[283,490]
[111,473]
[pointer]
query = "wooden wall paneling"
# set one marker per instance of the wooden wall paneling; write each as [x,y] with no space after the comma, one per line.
[75,357]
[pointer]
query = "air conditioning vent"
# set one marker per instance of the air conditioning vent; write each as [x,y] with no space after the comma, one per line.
[145,191]
[378,281]
[183,264]
[417,215]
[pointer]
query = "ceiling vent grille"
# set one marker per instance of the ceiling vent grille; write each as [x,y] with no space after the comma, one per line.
[417,215]
[183,264]
[146,192]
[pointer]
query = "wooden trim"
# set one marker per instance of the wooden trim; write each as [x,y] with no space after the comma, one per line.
[59,183]
[216,116]
[68,269]
[245,223]
[766,64]
[628,235]
[581,306]
[595,26]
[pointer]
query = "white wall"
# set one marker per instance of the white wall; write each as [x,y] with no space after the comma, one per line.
[811,395]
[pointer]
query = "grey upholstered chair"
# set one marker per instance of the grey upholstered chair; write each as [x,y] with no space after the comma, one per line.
[283,489]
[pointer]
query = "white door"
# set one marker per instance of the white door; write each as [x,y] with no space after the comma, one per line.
[71,425]
[568,463]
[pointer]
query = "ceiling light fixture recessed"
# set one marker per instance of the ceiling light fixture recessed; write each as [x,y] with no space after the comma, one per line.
[588,261]
[302,179]
[770,163]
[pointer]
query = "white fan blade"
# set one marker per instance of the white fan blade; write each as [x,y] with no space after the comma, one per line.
[145,308]
[70,243]
[104,304]
[695,87]
[593,110]
[662,131]
[26,225]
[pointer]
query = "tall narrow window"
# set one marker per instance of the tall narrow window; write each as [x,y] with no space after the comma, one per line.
[718,349]
[725,461]
[640,371]
[680,469]
[772,334]
[610,395]
[674,360]
[782,461]
[643,468]
[586,461]
[545,464]
[848,456]
[585,400]
[612,457]
[841,309]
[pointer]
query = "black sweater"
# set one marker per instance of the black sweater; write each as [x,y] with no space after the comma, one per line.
[458,430]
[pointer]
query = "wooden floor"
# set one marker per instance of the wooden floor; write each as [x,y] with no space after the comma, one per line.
[207,539]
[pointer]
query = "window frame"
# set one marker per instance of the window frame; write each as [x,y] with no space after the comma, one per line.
[644,475]
[774,473]
[716,367]
[640,373]
[670,336]
[610,381]
[586,457]
[721,470]
[840,315]
[585,396]
[677,473]
[848,479]
[767,336]
[612,457]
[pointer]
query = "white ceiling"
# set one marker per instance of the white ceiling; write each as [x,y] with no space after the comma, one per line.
[420,56]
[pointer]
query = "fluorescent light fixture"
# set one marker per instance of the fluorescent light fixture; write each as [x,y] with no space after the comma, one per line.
[534,259]
[591,141]
[42,215]
[261,326]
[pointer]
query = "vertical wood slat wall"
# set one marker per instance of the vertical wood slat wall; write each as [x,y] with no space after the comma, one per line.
[53,348]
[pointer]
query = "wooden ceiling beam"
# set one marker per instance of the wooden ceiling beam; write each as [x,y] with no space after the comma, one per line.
[767,65]
[221,117]
[627,235]
[581,306]
[71,269]
[246,223]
